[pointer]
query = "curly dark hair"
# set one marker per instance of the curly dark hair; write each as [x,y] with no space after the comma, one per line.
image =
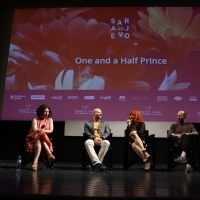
[41,109]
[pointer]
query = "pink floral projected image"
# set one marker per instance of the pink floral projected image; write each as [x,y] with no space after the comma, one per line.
[92,49]
[142,51]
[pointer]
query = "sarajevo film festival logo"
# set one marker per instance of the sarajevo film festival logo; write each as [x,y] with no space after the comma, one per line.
[28,107]
[84,108]
[26,110]
[84,111]
[120,28]
[148,109]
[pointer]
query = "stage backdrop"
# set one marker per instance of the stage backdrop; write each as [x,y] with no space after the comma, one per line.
[76,128]
[115,58]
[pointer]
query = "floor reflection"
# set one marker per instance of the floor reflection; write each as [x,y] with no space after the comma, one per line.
[133,183]
[97,184]
[38,183]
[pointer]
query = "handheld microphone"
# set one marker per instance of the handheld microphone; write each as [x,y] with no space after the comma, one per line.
[42,126]
[128,121]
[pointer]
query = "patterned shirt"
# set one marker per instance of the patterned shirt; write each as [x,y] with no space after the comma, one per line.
[96,129]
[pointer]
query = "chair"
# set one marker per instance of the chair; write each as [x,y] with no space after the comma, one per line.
[173,151]
[28,157]
[107,159]
[130,157]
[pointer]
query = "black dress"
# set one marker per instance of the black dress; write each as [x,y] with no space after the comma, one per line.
[140,128]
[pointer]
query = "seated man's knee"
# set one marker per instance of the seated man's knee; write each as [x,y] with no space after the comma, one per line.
[106,143]
[89,142]
[184,137]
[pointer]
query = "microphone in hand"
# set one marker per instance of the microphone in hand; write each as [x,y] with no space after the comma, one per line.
[42,126]
[128,122]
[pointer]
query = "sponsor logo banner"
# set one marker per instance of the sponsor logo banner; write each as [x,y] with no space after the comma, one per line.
[162,98]
[193,98]
[122,98]
[38,97]
[17,97]
[59,97]
[72,97]
[105,98]
[89,97]
[178,98]
[140,98]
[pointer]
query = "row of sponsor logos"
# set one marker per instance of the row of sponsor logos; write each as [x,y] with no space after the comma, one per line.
[120,98]
[86,110]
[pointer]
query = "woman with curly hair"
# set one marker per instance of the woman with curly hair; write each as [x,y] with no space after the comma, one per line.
[37,141]
[136,129]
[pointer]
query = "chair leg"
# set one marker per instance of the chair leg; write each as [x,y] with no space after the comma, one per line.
[198,157]
[26,159]
[111,159]
[170,153]
[83,165]
[198,153]
[125,159]
[170,165]
[47,163]
[152,151]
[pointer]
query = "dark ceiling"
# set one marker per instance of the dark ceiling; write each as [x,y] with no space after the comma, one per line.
[71,3]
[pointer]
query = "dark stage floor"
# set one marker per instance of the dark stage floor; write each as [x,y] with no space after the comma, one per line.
[69,181]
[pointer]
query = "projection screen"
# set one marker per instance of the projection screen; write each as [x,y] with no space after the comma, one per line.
[114,58]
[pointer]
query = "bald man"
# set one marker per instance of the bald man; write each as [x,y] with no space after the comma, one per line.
[182,132]
[97,132]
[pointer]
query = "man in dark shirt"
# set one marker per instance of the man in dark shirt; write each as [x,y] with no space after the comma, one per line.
[182,132]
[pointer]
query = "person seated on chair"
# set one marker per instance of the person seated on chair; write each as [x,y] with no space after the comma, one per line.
[97,132]
[37,138]
[182,131]
[136,129]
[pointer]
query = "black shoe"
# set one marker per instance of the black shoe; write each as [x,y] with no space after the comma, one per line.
[98,167]
[147,169]
[104,167]
[88,168]
[188,169]
[181,159]
[150,160]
